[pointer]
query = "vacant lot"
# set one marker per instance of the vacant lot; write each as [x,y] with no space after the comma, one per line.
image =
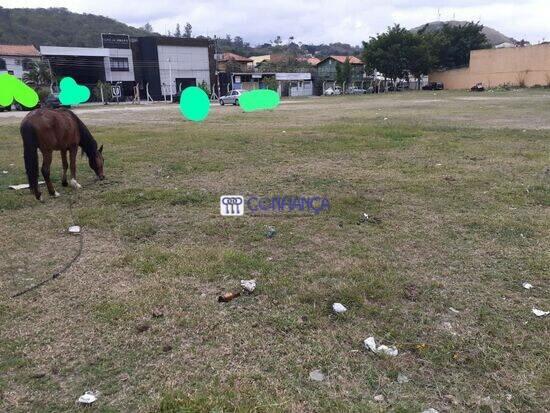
[459,184]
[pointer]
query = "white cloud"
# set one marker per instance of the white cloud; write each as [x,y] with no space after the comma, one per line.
[348,21]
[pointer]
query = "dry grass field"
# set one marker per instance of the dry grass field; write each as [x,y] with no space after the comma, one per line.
[459,184]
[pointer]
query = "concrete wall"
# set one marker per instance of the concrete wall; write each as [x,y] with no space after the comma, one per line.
[494,67]
[186,62]
[119,76]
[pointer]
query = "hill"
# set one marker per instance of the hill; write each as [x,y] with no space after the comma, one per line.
[493,36]
[58,27]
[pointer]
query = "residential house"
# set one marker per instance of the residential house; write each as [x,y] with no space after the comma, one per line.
[231,62]
[326,68]
[17,59]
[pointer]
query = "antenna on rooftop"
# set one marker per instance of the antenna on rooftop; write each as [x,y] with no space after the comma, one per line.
[438,15]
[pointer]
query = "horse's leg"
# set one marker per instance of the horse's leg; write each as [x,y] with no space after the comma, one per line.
[65,167]
[73,151]
[46,162]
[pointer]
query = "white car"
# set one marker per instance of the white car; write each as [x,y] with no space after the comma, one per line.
[232,97]
[337,90]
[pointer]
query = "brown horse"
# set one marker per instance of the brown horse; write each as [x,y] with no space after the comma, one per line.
[57,130]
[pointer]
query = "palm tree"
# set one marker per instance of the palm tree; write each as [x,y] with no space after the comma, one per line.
[39,75]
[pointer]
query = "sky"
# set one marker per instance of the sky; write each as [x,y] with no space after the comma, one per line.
[312,21]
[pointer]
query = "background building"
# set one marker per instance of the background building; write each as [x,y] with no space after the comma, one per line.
[326,68]
[16,59]
[515,66]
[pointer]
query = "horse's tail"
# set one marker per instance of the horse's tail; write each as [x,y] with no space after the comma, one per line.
[30,154]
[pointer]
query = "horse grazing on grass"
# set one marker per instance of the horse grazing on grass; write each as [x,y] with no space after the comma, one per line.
[57,130]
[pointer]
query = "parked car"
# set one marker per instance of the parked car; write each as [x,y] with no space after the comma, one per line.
[336,90]
[232,97]
[356,91]
[433,86]
[478,87]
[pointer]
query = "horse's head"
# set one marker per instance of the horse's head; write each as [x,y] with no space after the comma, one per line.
[96,163]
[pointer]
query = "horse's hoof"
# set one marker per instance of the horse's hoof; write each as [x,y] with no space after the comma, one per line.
[55,194]
[65,183]
[75,184]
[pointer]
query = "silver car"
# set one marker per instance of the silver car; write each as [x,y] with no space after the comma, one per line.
[232,97]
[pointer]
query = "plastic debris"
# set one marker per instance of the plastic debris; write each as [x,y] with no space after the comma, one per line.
[339,308]
[248,285]
[24,186]
[4,172]
[401,378]
[527,286]
[270,232]
[226,297]
[379,398]
[370,343]
[430,410]
[74,229]
[316,375]
[540,313]
[88,398]
[454,310]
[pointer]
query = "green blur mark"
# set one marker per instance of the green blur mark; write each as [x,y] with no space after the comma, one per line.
[194,104]
[12,89]
[260,99]
[72,93]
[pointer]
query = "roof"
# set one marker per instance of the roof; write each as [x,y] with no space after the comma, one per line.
[313,61]
[259,59]
[18,50]
[74,51]
[342,59]
[232,56]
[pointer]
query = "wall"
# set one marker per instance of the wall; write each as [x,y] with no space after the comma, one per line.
[494,67]
[15,64]
[186,62]
[119,76]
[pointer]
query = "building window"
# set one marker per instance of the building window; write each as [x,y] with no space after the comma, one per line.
[119,64]
[27,64]
[2,64]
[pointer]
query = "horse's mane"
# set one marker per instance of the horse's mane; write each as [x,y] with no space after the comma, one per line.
[87,141]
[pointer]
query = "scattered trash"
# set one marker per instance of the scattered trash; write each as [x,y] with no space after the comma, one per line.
[316,375]
[385,118]
[270,232]
[248,285]
[157,313]
[226,297]
[438,164]
[370,343]
[379,398]
[540,313]
[454,310]
[370,219]
[430,410]
[88,398]
[401,378]
[339,308]
[4,172]
[284,131]
[74,229]
[23,186]
[527,286]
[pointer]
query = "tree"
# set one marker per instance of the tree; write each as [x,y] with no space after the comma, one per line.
[148,28]
[453,44]
[188,30]
[39,75]
[343,72]
[387,52]
[177,33]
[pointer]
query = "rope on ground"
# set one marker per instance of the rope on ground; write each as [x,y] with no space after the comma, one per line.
[66,267]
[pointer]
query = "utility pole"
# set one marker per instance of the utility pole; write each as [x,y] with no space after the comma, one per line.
[170,78]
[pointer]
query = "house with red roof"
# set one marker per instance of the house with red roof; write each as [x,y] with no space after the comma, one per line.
[17,59]
[232,62]
[326,68]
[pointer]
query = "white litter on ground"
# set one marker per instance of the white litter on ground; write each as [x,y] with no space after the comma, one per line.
[24,186]
[339,308]
[316,375]
[74,229]
[4,172]
[370,343]
[527,286]
[401,378]
[248,285]
[379,398]
[430,410]
[88,398]
[454,310]
[540,313]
